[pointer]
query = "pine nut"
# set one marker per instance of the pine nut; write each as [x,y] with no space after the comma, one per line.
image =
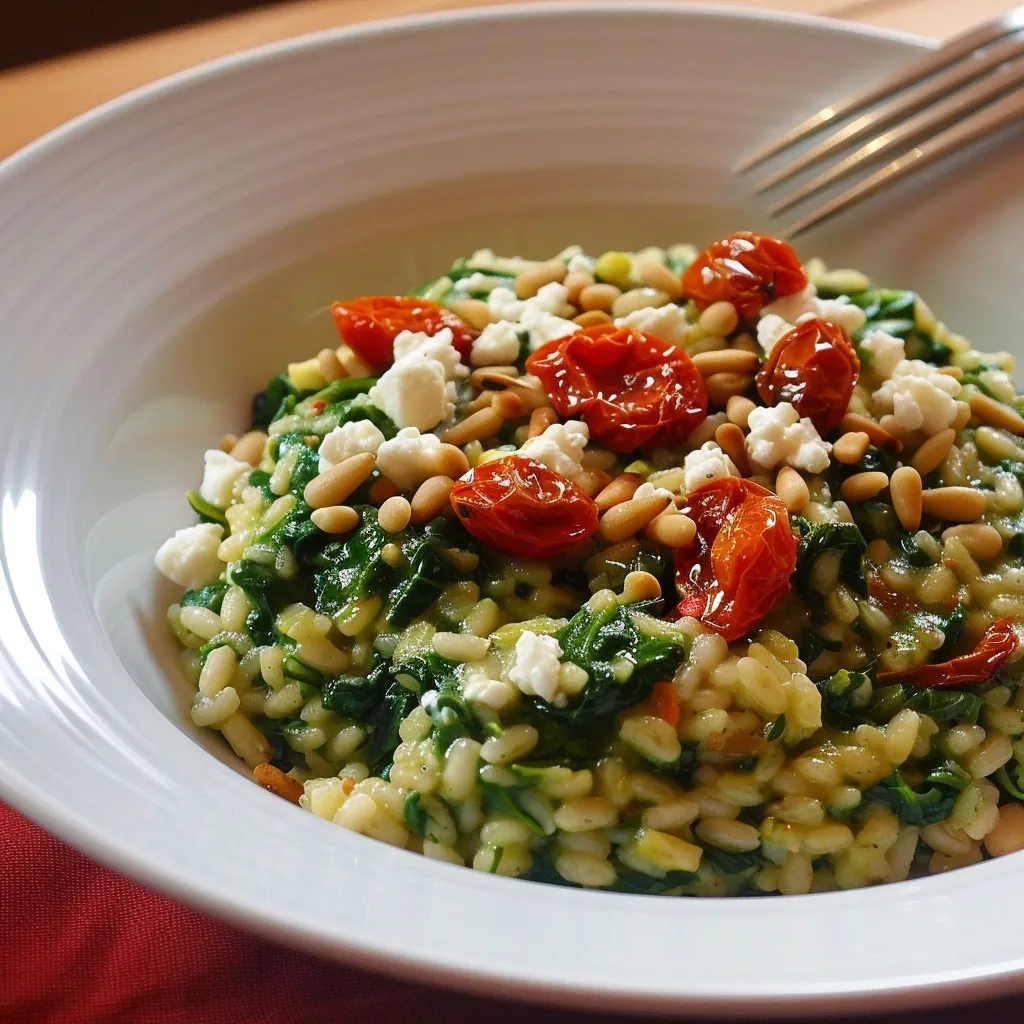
[656,275]
[995,414]
[474,312]
[355,366]
[394,514]
[334,486]
[392,555]
[575,281]
[592,318]
[956,504]
[530,391]
[464,561]
[482,377]
[431,498]
[508,405]
[598,296]
[637,298]
[249,447]
[726,360]
[850,448]
[931,454]
[531,280]
[719,318]
[791,487]
[905,489]
[335,519]
[592,481]
[745,343]
[330,365]
[876,434]
[672,529]
[275,780]
[622,488]
[981,540]
[623,520]
[227,443]
[952,371]
[483,423]
[963,415]
[730,439]
[482,401]
[722,386]
[451,461]
[541,419]
[738,409]
[640,586]
[706,431]
[381,489]
[862,486]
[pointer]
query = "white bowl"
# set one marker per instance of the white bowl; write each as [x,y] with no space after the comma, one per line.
[162,257]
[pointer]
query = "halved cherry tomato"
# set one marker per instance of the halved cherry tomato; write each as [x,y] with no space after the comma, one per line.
[745,552]
[814,368]
[519,506]
[633,390]
[745,269]
[369,325]
[997,643]
[664,703]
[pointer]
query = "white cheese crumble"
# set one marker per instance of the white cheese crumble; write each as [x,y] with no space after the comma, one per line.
[648,490]
[560,447]
[706,463]
[414,392]
[541,316]
[189,558]
[535,669]
[494,693]
[778,435]
[220,474]
[806,303]
[885,351]
[770,329]
[353,438]
[665,322]
[918,397]
[434,346]
[580,264]
[408,458]
[477,283]
[496,345]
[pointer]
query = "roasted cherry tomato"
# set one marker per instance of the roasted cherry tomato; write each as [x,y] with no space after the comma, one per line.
[745,269]
[739,567]
[519,506]
[633,390]
[814,368]
[664,703]
[370,325]
[998,642]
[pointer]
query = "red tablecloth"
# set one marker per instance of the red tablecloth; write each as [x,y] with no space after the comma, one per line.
[80,945]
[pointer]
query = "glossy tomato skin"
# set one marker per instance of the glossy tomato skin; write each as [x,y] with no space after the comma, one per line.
[632,389]
[814,368]
[519,506]
[745,269]
[745,552]
[369,325]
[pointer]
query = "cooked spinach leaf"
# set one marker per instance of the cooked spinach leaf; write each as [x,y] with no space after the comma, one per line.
[927,806]
[815,541]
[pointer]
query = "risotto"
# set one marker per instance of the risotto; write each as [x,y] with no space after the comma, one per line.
[678,572]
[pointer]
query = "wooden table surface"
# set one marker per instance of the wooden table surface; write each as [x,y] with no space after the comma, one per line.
[39,97]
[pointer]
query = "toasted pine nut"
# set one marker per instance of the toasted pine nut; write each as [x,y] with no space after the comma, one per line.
[592,318]
[719,318]
[745,342]
[227,443]
[640,586]
[995,414]
[249,447]
[541,419]
[575,281]
[508,405]
[392,555]
[623,520]
[592,481]
[791,487]
[656,275]
[933,451]
[355,366]
[722,386]
[963,415]
[394,514]
[850,448]
[531,280]
[330,365]
[726,360]
[277,782]
[431,498]
[622,488]
[483,423]
[381,489]
[474,312]
[862,486]
[706,430]
[981,540]
[335,519]
[334,486]
[531,392]
[482,401]
[464,561]
[730,439]
[738,409]
[451,461]
[672,529]
[876,435]
[956,504]
[598,296]
[952,371]
[905,489]
[482,377]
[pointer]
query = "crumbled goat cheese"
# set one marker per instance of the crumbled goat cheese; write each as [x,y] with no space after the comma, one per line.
[540,316]
[805,303]
[352,438]
[190,556]
[706,463]
[434,346]
[220,474]
[778,435]
[918,397]
[535,669]
[665,322]
[770,329]
[494,693]
[648,490]
[414,392]
[408,458]
[496,345]
[885,352]
[560,447]
[580,264]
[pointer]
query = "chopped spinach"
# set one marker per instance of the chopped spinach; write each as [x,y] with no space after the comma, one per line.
[820,538]
[384,723]
[207,513]
[844,696]
[628,880]
[925,807]
[450,716]
[211,596]
[812,645]
[268,405]
[355,696]
[500,800]
[353,568]
[913,553]
[774,730]
[1010,779]
[415,814]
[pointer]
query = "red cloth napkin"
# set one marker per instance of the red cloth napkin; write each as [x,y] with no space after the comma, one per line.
[80,945]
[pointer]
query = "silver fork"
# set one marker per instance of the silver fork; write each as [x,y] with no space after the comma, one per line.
[966,90]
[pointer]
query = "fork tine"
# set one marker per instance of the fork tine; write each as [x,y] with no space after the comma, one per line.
[955,108]
[935,88]
[976,127]
[955,49]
